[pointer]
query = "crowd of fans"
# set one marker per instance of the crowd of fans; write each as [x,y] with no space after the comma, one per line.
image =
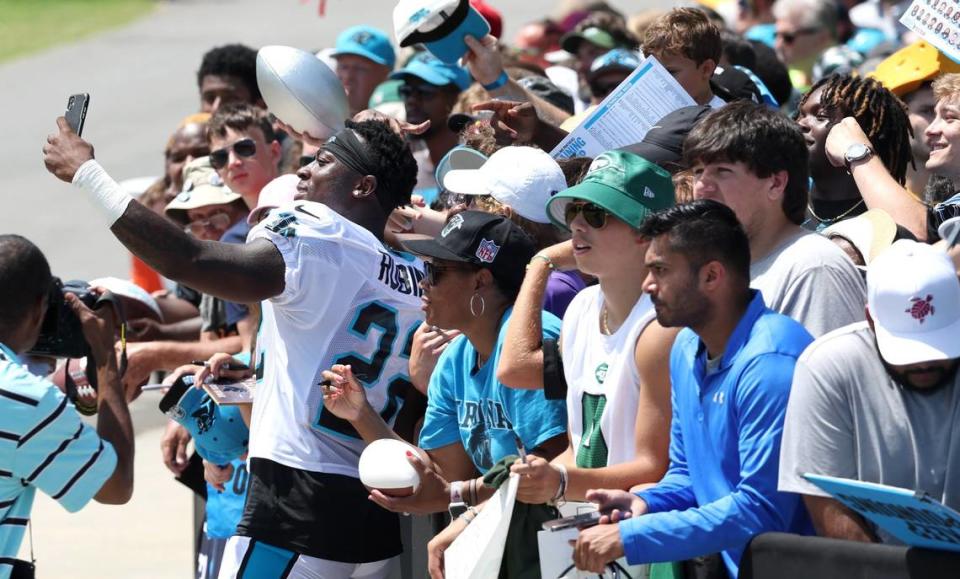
[675,331]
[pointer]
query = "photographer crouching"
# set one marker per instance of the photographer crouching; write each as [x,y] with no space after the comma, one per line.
[43,443]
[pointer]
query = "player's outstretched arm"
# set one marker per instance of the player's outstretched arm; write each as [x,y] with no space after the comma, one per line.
[239,273]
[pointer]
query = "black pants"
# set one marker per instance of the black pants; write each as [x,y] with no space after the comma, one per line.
[706,567]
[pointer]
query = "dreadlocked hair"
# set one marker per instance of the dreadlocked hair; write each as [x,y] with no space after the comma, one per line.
[881,115]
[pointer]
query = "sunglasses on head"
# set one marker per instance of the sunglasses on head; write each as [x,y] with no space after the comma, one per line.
[790,37]
[433,272]
[242,148]
[422,90]
[594,215]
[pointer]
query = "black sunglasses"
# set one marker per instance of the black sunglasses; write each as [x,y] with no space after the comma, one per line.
[422,90]
[594,215]
[602,90]
[432,272]
[790,37]
[449,200]
[242,148]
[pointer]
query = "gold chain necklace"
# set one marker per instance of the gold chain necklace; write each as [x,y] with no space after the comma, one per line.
[604,322]
[835,219]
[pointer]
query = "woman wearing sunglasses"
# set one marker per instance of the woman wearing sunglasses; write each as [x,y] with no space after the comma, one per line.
[615,357]
[474,270]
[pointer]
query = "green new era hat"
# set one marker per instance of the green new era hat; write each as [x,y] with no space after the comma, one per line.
[626,185]
[592,34]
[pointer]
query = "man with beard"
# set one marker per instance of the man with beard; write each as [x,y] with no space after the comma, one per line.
[430,89]
[731,369]
[876,401]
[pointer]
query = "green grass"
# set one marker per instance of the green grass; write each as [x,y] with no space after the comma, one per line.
[31,25]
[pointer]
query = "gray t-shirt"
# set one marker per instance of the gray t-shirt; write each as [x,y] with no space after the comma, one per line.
[811,280]
[847,418]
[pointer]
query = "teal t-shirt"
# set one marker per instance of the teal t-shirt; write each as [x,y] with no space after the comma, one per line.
[468,405]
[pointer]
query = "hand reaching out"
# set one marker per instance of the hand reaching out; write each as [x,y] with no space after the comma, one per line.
[616,505]
[343,395]
[512,122]
[428,343]
[539,480]
[432,494]
[483,60]
[217,475]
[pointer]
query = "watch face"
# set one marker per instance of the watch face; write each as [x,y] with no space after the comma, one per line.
[857,151]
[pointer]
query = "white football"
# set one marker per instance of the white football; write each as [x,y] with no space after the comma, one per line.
[384,466]
[301,90]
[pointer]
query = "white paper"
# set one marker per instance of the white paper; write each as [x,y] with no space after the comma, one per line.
[624,117]
[477,552]
[556,552]
[937,22]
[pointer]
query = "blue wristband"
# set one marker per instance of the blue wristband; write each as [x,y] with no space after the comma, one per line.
[501,80]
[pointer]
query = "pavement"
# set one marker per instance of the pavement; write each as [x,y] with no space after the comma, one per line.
[142,81]
[151,537]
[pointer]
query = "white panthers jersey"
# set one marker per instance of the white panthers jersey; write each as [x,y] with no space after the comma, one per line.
[347,299]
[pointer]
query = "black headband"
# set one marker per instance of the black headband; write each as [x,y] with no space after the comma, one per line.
[348,149]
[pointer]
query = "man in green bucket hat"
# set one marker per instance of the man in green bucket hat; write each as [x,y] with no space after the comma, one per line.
[616,356]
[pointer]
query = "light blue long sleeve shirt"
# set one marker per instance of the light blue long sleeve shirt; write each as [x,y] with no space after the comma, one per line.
[721,488]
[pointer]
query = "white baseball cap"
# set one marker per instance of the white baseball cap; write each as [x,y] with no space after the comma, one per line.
[913,295]
[278,192]
[522,177]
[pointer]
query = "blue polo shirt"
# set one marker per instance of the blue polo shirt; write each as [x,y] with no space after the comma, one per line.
[721,488]
[43,445]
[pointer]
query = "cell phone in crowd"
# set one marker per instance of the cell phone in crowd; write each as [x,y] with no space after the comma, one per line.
[77,111]
[582,520]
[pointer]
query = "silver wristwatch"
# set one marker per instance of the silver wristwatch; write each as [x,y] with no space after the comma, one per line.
[855,153]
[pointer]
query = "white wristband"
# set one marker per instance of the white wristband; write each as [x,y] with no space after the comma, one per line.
[103,190]
[456,492]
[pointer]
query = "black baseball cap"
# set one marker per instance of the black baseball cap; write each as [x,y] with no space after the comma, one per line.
[483,239]
[732,84]
[545,88]
[663,143]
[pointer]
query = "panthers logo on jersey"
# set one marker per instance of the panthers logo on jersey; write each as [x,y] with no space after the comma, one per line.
[283,224]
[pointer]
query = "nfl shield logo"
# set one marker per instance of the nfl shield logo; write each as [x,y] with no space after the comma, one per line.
[487,251]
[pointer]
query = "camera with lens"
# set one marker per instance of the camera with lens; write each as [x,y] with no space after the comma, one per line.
[61,335]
